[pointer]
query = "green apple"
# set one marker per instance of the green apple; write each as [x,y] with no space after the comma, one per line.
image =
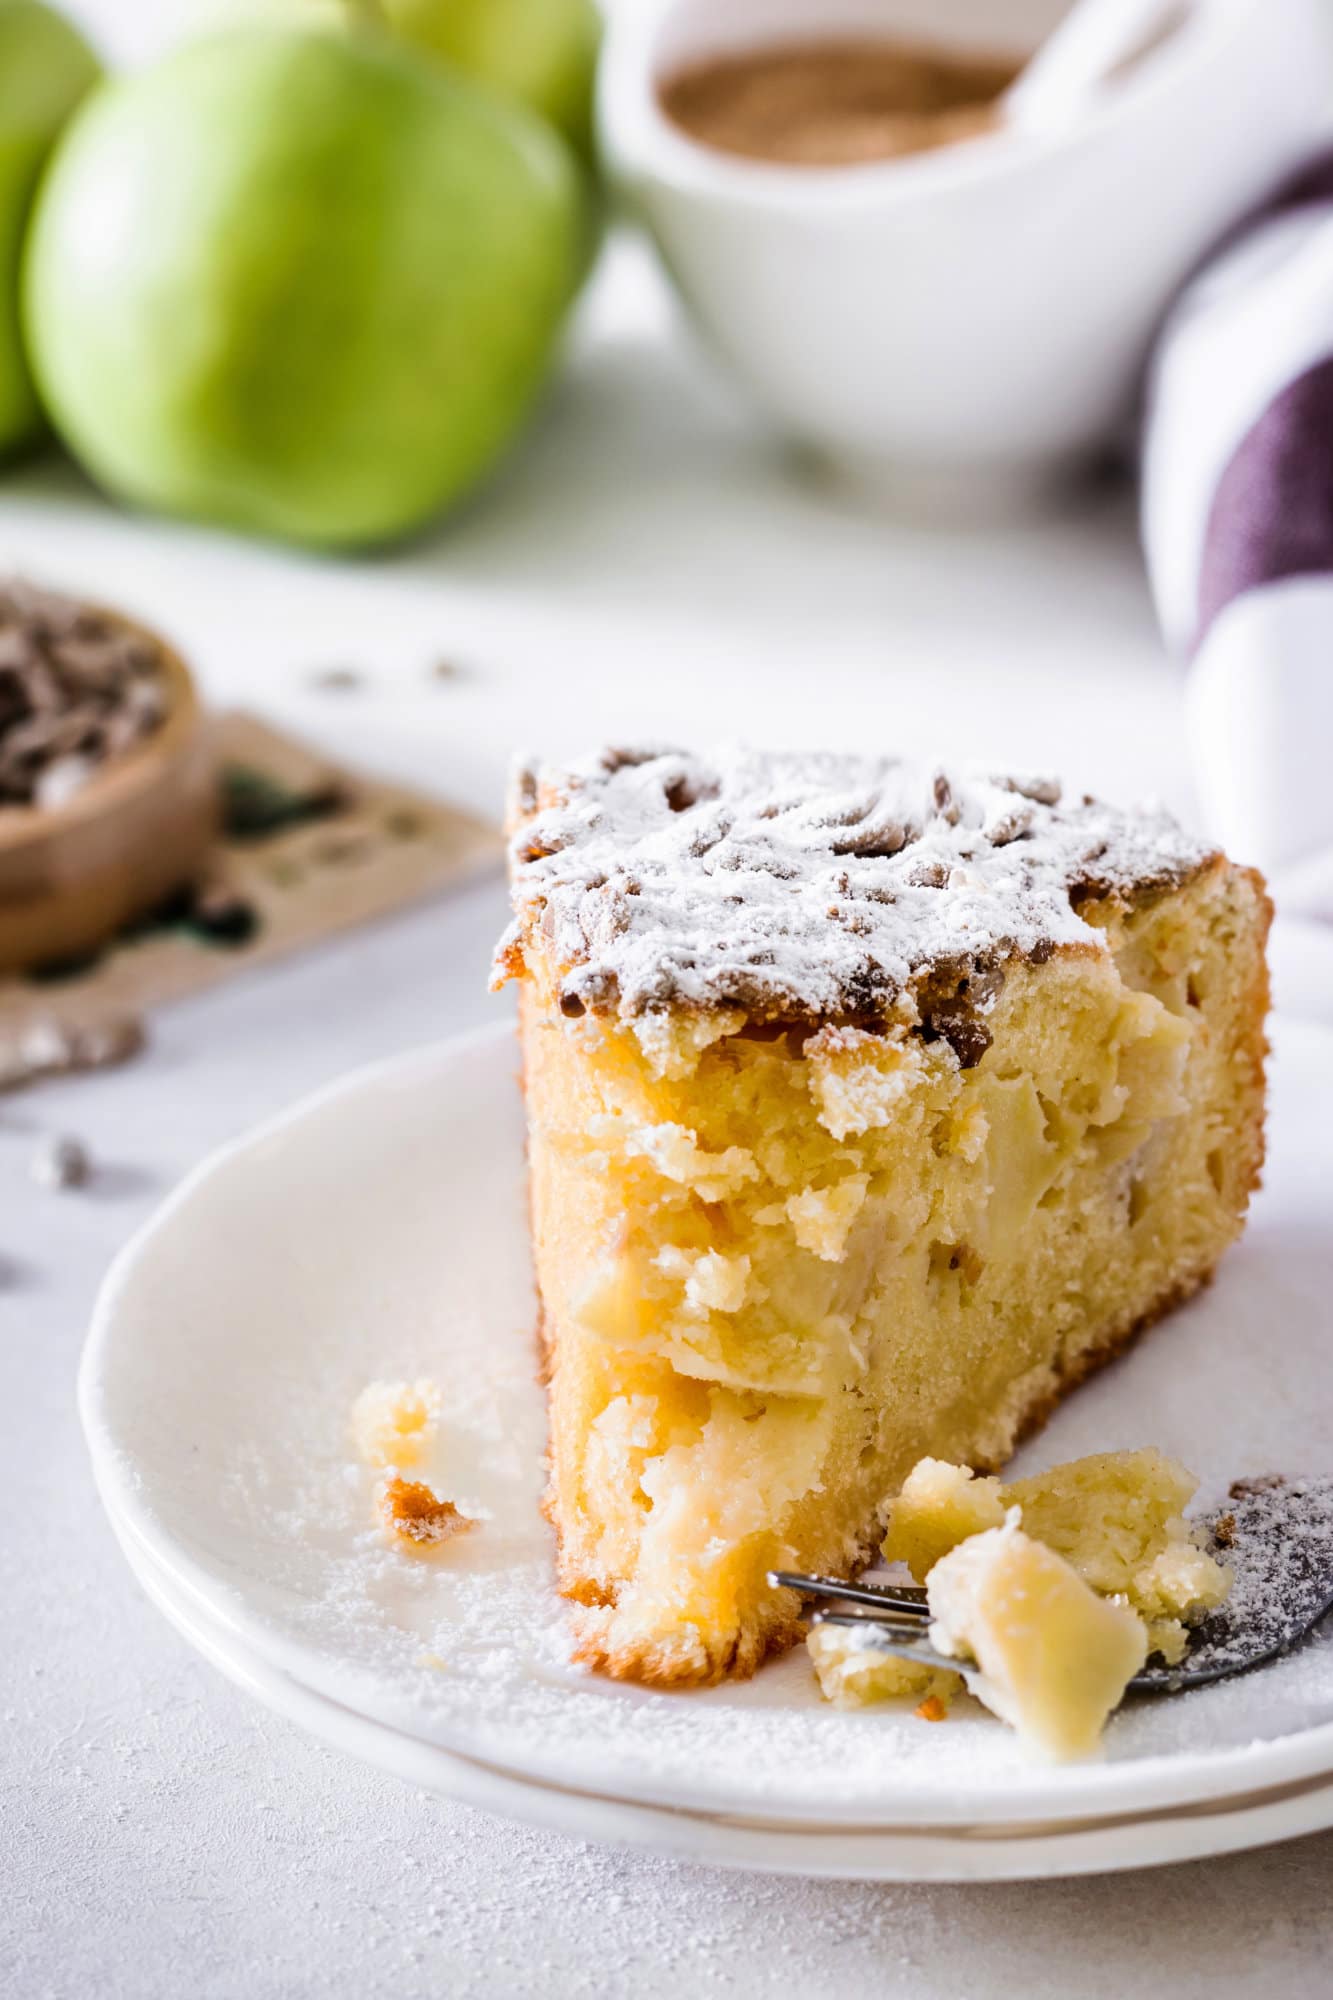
[543,52]
[45,68]
[299,281]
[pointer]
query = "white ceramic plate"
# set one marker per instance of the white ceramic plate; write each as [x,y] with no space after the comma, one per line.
[380,1229]
[987,1850]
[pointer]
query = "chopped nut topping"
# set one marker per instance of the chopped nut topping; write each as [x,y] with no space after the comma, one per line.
[793,885]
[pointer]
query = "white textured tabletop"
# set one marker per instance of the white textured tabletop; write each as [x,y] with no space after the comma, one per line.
[648,563]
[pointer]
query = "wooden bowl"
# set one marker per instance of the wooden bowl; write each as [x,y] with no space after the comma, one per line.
[73,875]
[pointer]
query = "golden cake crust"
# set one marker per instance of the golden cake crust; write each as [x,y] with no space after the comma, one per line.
[810,888]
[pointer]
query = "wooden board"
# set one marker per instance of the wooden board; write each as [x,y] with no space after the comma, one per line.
[310,848]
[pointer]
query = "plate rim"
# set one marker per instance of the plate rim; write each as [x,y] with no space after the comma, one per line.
[966,1852]
[1159,1782]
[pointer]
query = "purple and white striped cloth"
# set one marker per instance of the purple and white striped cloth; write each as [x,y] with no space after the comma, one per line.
[1238,532]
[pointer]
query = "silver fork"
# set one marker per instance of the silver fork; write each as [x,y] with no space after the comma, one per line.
[1278,1534]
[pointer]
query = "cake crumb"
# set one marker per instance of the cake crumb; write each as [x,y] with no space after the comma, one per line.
[854,1674]
[417,1519]
[395,1423]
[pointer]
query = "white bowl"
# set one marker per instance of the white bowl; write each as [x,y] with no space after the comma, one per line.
[985,309]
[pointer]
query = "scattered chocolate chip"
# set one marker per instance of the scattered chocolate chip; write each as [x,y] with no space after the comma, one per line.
[337,680]
[340,849]
[61,1162]
[222,917]
[256,805]
[114,1040]
[50,1047]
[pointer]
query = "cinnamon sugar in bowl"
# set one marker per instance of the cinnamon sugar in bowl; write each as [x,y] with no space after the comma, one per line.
[954,318]
[837,102]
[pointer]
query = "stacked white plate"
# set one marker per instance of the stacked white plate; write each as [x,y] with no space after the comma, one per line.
[380,1230]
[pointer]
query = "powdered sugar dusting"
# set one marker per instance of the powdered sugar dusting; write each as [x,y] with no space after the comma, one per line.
[808,885]
[1277,1535]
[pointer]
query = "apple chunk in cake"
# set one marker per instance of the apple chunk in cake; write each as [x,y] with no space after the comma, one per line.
[870,1106]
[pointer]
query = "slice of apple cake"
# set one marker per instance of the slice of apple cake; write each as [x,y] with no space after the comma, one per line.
[870,1107]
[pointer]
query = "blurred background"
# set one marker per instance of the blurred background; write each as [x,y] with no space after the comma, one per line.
[655,556]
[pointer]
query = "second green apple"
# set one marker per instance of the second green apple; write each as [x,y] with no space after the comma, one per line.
[45,68]
[542,52]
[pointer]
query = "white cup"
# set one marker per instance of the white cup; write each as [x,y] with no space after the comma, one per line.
[977,315]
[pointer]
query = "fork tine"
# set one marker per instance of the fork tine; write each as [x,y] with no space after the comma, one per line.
[899,1637]
[909,1598]
[872,1621]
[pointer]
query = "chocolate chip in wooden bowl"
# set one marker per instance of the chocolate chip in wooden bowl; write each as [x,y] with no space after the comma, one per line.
[59,782]
[78,688]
